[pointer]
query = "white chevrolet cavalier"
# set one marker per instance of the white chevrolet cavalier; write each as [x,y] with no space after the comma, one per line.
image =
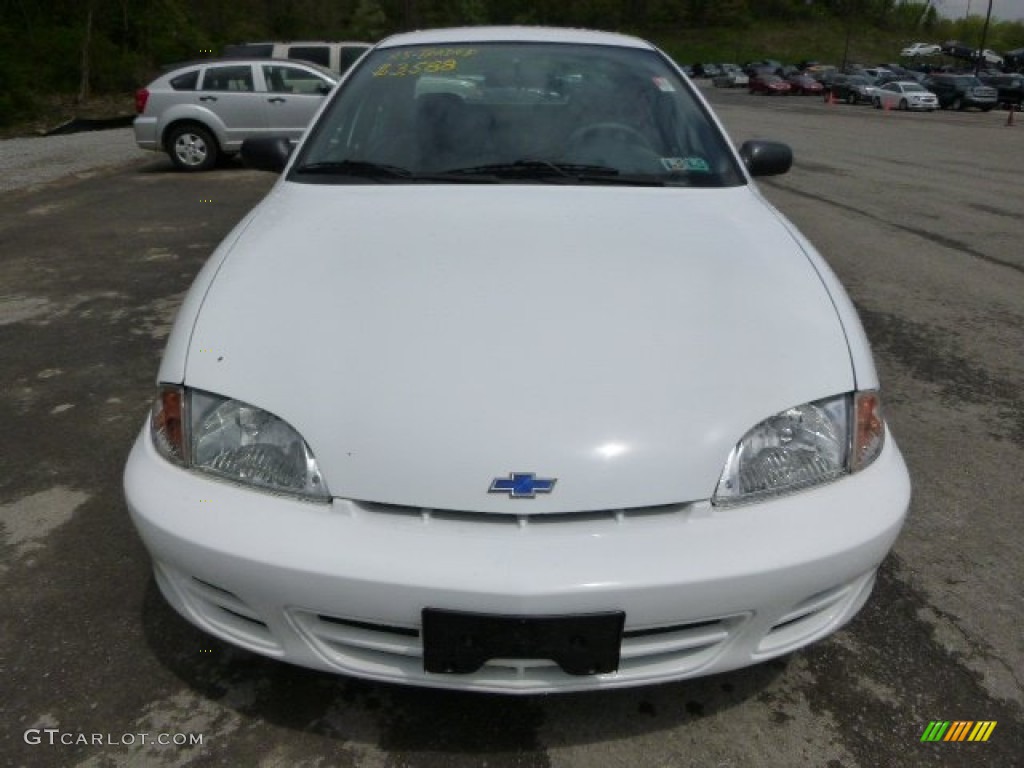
[515,382]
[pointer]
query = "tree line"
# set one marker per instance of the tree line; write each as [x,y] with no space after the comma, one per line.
[83,47]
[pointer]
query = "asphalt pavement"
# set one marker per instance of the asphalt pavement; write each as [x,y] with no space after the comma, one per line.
[918,214]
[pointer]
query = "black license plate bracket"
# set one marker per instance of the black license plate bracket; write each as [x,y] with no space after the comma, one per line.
[460,642]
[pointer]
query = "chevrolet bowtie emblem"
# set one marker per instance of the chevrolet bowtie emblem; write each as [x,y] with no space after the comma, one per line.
[522,485]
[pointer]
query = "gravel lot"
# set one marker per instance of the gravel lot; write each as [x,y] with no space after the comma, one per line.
[25,163]
[918,214]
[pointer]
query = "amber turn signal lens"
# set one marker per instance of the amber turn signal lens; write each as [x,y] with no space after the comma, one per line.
[869,432]
[167,424]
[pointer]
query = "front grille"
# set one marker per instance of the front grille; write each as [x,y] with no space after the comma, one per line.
[226,612]
[814,616]
[364,647]
[408,514]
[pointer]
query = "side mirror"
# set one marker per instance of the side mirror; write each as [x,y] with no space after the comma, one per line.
[268,153]
[766,158]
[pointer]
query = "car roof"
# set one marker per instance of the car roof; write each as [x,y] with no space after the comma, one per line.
[509,34]
[302,42]
[242,61]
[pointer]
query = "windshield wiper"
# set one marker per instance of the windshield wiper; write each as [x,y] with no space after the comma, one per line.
[558,173]
[356,168]
[536,169]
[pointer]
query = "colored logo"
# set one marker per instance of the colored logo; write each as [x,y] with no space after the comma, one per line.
[958,730]
[522,485]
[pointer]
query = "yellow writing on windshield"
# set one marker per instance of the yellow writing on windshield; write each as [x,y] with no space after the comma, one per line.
[406,69]
[432,53]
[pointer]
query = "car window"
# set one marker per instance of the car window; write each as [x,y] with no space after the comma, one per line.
[228,78]
[186,81]
[349,54]
[318,54]
[282,78]
[433,111]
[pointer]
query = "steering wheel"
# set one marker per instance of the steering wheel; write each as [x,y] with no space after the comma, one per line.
[618,132]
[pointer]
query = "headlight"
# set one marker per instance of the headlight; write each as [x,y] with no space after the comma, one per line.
[235,441]
[802,447]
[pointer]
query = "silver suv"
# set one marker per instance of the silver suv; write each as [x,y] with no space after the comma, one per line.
[204,110]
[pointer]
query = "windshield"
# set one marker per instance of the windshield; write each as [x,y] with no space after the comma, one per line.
[516,112]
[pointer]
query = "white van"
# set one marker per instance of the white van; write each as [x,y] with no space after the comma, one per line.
[335,56]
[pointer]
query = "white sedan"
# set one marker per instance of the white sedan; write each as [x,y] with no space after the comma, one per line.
[904,95]
[921,49]
[532,392]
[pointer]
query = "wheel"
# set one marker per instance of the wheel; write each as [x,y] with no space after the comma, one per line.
[192,148]
[958,103]
[986,109]
[851,98]
[620,132]
[903,105]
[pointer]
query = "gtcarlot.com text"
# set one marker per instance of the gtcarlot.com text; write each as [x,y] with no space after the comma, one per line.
[55,737]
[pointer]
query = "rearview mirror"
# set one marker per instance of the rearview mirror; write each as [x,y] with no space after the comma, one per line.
[766,158]
[269,153]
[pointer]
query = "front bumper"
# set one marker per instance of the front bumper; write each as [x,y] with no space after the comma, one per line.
[341,587]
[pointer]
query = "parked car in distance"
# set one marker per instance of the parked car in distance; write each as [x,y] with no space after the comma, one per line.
[958,50]
[731,76]
[903,73]
[822,72]
[853,89]
[921,49]
[803,85]
[961,92]
[904,95]
[336,56]
[1009,87]
[878,75]
[966,53]
[990,57]
[205,110]
[773,85]
[351,465]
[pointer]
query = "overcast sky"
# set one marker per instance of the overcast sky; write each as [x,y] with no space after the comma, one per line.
[1007,10]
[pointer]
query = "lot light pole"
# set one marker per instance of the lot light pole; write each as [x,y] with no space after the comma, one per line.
[984,38]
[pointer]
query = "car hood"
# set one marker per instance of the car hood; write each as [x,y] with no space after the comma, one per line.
[427,339]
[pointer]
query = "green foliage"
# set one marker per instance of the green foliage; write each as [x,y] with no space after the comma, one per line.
[16,101]
[369,22]
[44,43]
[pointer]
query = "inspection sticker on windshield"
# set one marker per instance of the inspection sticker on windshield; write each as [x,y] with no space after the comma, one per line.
[686,164]
[664,85]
